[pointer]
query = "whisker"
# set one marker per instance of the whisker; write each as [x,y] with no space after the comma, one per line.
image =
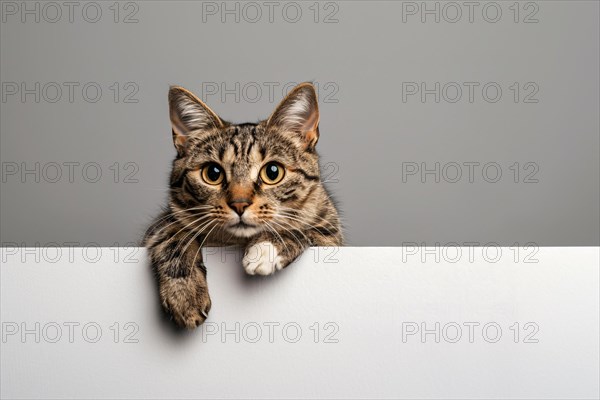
[291,233]
[306,222]
[172,213]
[278,235]
[314,228]
[201,244]
[191,231]
[177,221]
[198,233]
[297,212]
[201,218]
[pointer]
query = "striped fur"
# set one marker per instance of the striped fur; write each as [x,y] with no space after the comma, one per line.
[279,220]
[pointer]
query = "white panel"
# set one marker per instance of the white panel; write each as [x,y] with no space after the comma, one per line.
[364,300]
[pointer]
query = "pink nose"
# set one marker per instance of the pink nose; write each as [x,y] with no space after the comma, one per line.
[240,205]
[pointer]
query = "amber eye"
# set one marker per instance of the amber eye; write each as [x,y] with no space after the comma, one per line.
[272,173]
[212,174]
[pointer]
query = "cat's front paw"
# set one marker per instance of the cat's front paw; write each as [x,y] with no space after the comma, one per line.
[262,259]
[186,300]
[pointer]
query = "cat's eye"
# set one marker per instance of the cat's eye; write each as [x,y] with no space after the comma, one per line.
[212,174]
[272,173]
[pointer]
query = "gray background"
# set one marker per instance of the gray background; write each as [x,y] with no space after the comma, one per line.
[366,135]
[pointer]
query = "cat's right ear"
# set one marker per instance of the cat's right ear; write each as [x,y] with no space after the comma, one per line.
[189,114]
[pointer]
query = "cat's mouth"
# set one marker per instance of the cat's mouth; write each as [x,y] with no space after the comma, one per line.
[243,229]
[243,225]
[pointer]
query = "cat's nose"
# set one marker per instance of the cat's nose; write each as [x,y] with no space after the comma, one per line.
[240,205]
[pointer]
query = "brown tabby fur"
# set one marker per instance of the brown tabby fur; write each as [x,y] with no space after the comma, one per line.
[290,215]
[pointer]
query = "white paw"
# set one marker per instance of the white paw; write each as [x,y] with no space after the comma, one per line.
[261,259]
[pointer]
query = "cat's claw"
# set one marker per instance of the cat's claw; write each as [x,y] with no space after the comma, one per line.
[262,259]
[186,301]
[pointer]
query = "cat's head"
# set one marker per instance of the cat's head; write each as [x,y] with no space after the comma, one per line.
[241,177]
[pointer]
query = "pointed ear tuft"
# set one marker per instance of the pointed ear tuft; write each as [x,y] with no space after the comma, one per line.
[298,113]
[188,113]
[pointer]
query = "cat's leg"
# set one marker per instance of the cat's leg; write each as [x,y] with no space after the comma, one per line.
[181,275]
[326,236]
[270,252]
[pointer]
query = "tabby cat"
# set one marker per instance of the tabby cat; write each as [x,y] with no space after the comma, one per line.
[251,185]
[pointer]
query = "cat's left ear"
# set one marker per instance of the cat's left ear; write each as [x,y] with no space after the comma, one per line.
[298,114]
[189,114]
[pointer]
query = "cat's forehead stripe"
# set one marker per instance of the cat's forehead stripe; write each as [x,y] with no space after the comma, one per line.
[227,160]
[246,143]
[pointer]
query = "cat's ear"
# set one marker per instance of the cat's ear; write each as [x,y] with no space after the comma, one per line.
[298,113]
[188,114]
